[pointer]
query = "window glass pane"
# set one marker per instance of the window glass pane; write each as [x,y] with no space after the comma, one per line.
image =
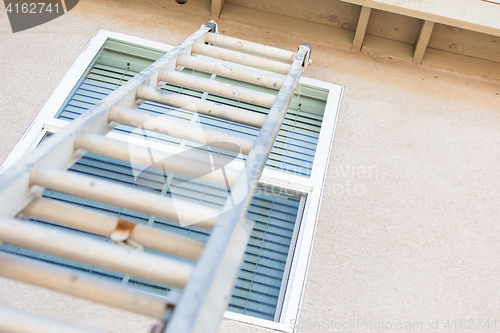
[258,287]
[295,146]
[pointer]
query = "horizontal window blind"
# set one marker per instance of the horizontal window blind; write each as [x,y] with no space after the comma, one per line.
[264,271]
[258,287]
[295,146]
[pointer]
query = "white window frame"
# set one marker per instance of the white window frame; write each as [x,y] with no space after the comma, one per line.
[313,186]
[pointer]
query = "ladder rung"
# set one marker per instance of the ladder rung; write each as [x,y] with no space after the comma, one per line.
[192,163]
[14,321]
[217,88]
[179,129]
[185,212]
[81,285]
[231,71]
[105,225]
[194,104]
[250,47]
[241,58]
[84,249]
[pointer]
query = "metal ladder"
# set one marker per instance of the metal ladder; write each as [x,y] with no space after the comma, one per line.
[207,285]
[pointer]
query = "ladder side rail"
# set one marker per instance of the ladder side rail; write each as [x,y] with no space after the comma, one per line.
[58,150]
[207,294]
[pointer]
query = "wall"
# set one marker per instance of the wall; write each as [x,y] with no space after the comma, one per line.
[418,240]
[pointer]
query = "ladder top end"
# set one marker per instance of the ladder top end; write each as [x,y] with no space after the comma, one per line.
[307,58]
[212,25]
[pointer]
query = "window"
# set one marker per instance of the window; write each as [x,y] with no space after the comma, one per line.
[285,206]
